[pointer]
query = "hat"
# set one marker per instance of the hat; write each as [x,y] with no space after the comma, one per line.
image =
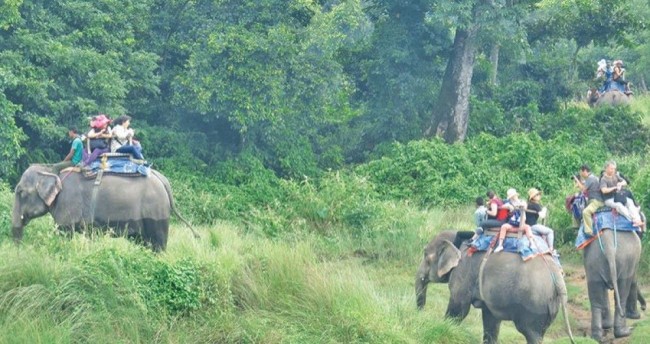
[618,62]
[533,192]
[511,193]
[100,121]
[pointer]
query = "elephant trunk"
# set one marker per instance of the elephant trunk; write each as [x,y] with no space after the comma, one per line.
[421,283]
[17,222]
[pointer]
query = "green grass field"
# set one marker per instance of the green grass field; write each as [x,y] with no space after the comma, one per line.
[232,287]
[237,285]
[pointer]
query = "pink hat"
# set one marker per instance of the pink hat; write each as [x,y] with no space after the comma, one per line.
[100,121]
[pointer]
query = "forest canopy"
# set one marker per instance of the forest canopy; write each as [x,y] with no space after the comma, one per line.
[299,86]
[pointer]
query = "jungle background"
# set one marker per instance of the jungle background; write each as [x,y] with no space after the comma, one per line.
[317,145]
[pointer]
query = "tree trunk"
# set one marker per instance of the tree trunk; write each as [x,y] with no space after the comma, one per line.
[450,118]
[494,60]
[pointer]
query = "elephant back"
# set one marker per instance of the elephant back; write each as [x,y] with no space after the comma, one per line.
[612,98]
[116,199]
[513,286]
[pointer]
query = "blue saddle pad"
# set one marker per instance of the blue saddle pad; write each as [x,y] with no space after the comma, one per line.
[603,220]
[121,165]
[521,246]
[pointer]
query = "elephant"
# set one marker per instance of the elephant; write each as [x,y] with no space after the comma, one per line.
[611,98]
[631,310]
[611,262]
[503,286]
[138,207]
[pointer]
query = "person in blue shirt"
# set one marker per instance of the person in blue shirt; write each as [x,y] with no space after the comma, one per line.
[75,156]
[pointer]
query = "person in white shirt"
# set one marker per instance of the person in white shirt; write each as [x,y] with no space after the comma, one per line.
[123,138]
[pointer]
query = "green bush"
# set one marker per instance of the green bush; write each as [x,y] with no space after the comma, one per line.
[619,128]
[434,173]
[165,288]
[6,207]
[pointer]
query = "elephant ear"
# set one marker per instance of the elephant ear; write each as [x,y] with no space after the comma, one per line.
[448,257]
[48,187]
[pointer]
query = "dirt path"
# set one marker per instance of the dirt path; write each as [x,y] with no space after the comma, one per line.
[578,303]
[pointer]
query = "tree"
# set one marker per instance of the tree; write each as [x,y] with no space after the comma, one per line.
[467,19]
[68,60]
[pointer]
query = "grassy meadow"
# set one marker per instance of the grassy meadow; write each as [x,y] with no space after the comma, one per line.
[228,287]
[331,260]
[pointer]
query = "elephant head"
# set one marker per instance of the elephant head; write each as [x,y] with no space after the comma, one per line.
[441,256]
[34,195]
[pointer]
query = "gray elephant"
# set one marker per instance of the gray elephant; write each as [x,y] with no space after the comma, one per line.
[611,263]
[138,207]
[609,98]
[503,286]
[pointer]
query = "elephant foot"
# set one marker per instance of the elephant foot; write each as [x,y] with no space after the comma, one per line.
[622,332]
[597,336]
[633,315]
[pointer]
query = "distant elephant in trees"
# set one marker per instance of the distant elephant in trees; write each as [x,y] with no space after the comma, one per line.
[611,98]
[527,293]
[137,207]
[611,262]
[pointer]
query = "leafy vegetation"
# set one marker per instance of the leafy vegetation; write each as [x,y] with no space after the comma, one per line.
[296,133]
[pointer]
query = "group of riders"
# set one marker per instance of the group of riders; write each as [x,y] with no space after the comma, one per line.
[516,215]
[100,139]
[612,75]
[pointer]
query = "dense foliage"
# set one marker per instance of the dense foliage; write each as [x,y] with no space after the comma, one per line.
[293,131]
[302,86]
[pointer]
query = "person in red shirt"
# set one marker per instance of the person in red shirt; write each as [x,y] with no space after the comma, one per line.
[495,209]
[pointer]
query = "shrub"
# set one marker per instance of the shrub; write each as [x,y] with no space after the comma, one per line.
[434,173]
[619,128]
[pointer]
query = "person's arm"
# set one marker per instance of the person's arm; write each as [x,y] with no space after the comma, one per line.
[106,133]
[579,184]
[70,154]
[493,209]
[606,189]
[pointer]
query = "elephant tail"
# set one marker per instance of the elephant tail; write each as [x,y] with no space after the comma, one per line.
[560,289]
[610,257]
[168,189]
[565,314]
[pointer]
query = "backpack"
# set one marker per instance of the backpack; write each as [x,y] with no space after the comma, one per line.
[578,205]
[515,218]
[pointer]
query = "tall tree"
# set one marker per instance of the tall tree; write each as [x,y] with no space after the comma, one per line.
[469,20]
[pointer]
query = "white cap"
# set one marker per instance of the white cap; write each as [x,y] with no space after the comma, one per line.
[511,193]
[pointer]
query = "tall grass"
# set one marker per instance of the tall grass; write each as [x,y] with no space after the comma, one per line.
[229,287]
[641,104]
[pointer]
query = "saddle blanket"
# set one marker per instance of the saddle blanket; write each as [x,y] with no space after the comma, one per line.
[604,220]
[120,165]
[522,245]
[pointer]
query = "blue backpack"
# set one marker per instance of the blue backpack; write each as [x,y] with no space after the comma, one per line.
[578,206]
[515,218]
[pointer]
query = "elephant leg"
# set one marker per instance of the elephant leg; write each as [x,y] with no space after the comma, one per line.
[631,306]
[533,336]
[154,233]
[620,327]
[599,309]
[608,319]
[457,310]
[491,326]
[640,298]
